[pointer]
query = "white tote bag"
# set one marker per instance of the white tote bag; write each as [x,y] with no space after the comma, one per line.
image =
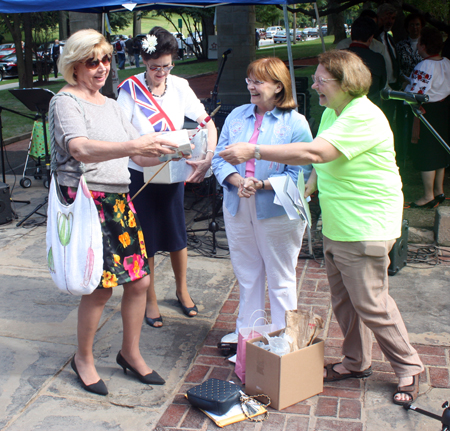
[74,241]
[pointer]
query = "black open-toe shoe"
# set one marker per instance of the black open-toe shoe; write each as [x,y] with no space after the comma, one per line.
[152,378]
[440,198]
[187,310]
[98,388]
[151,322]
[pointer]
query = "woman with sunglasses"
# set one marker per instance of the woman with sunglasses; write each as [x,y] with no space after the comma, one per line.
[362,204]
[158,101]
[94,137]
[263,241]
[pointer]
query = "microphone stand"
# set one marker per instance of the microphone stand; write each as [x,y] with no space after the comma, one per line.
[213,226]
[2,148]
[418,113]
[445,418]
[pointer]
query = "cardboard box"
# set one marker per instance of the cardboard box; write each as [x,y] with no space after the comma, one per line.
[286,379]
[179,171]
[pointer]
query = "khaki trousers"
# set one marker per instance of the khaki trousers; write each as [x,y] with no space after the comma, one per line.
[358,278]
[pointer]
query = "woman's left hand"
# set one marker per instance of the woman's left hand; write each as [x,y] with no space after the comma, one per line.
[200,169]
[238,153]
[247,187]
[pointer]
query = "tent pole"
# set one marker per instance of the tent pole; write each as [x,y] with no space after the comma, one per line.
[320,26]
[289,48]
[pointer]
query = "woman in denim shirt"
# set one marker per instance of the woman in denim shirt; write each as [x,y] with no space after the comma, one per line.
[262,240]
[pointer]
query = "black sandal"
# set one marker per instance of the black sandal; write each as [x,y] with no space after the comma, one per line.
[151,322]
[187,310]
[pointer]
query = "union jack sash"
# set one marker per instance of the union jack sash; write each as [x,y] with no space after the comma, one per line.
[149,106]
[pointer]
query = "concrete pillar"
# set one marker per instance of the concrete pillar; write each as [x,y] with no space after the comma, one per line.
[235,30]
[442,226]
[79,21]
[63,25]
[136,24]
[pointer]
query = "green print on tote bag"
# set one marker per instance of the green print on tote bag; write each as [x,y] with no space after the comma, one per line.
[74,241]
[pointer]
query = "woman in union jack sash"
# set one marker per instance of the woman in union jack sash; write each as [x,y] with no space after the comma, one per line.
[158,101]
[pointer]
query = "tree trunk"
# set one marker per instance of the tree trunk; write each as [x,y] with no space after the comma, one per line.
[28,30]
[336,23]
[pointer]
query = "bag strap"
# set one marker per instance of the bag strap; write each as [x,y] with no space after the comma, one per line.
[248,409]
[51,126]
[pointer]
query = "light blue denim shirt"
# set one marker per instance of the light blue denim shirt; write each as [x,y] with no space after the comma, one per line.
[278,127]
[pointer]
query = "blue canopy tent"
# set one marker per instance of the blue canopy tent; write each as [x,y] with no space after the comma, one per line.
[99,6]
[103,6]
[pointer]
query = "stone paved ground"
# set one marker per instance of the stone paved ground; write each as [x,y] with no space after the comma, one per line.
[342,406]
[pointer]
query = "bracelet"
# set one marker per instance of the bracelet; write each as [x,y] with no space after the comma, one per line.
[263,185]
[210,151]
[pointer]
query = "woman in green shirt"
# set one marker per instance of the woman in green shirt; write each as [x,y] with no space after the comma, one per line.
[361,202]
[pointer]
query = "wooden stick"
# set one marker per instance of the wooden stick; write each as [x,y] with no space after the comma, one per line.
[145,185]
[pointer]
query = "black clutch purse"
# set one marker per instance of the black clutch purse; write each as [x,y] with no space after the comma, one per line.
[215,396]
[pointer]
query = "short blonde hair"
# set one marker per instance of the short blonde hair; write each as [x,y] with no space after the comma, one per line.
[272,68]
[354,76]
[79,47]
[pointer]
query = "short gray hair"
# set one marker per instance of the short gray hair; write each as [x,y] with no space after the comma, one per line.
[80,46]
[386,8]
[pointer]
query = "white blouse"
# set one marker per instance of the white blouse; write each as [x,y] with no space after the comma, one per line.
[178,102]
[432,78]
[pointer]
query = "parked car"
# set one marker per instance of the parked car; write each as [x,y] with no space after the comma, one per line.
[270,31]
[45,49]
[311,32]
[280,37]
[324,30]
[115,37]
[7,49]
[8,66]
[298,34]
[262,33]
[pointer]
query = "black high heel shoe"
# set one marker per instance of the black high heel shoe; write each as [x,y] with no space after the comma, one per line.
[152,378]
[431,204]
[440,198]
[187,310]
[98,388]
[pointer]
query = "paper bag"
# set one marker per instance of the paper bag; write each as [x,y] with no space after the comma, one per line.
[303,327]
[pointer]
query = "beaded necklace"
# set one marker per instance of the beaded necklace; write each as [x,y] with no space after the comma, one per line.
[149,89]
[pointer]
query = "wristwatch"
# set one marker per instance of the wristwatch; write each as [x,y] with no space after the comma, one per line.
[257,153]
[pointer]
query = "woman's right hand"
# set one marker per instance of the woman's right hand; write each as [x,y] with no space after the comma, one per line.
[311,185]
[154,145]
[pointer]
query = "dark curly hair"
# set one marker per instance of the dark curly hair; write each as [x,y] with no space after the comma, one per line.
[431,38]
[413,16]
[167,44]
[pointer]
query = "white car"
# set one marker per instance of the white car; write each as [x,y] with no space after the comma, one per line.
[280,37]
[271,31]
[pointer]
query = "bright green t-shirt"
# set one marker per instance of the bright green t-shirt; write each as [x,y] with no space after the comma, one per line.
[361,191]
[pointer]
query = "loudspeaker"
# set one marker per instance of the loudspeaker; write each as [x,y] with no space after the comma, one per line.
[5,204]
[399,252]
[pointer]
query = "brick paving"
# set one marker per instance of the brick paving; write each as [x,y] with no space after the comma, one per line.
[338,407]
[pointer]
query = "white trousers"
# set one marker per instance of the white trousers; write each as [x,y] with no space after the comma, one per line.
[260,248]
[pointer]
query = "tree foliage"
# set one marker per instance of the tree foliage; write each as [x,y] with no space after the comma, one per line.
[120,20]
[268,15]
[196,21]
